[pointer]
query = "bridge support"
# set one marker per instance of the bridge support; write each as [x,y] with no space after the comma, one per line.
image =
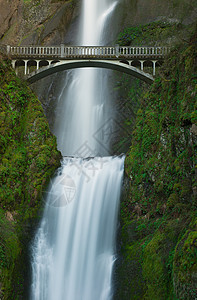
[37,64]
[26,67]
[13,64]
[142,64]
[73,64]
[154,65]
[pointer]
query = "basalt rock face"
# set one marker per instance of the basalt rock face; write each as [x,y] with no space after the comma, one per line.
[158,212]
[34,22]
[47,21]
[8,16]
[145,11]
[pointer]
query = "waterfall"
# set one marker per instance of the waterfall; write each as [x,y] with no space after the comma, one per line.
[74,247]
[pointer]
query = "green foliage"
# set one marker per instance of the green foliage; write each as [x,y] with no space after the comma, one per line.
[9,249]
[28,158]
[27,147]
[162,154]
[161,168]
[158,258]
[128,34]
[143,34]
[153,269]
[185,263]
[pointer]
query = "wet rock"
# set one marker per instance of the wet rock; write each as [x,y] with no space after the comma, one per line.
[194,129]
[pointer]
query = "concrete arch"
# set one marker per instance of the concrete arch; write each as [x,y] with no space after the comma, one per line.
[43,63]
[107,64]
[136,64]
[55,61]
[124,61]
[31,62]
[148,63]
[19,63]
[148,66]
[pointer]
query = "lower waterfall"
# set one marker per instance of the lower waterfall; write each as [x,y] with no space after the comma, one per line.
[73,251]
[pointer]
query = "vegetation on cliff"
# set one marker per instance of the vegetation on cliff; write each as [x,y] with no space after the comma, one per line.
[28,158]
[158,214]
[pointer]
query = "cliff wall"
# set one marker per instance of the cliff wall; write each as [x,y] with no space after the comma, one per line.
[35,22]
[28,159]
[158,213]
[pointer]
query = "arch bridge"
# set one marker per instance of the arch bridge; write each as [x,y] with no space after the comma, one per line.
[39,62]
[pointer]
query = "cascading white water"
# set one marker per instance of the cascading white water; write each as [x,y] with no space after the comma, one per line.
[87,106]
[73,250]
[74,247]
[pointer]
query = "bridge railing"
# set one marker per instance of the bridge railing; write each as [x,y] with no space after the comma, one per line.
[33,51]
[67,52]
[144,51]
[88,51]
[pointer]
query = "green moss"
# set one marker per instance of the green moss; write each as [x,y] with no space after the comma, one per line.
[161,197]
[29,158]
[172,200]
[130,280]
[185,265]
[143,35]
[153,269]
[10,249]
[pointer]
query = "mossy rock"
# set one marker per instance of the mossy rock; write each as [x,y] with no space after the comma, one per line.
[29,157]
[161,170]
[185,265]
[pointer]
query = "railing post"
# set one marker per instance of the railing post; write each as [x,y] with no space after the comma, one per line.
[117,50]
[62,50]
[8,49]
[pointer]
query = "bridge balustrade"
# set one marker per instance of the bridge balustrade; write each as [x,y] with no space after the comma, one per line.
[33,51]
[65,52]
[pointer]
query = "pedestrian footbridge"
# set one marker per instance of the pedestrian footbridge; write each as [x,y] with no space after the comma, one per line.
[39,62]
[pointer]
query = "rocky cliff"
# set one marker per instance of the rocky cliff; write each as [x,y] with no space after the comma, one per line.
[140,12]
[158,213]
[28,158]
[35,22]
[46,22]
